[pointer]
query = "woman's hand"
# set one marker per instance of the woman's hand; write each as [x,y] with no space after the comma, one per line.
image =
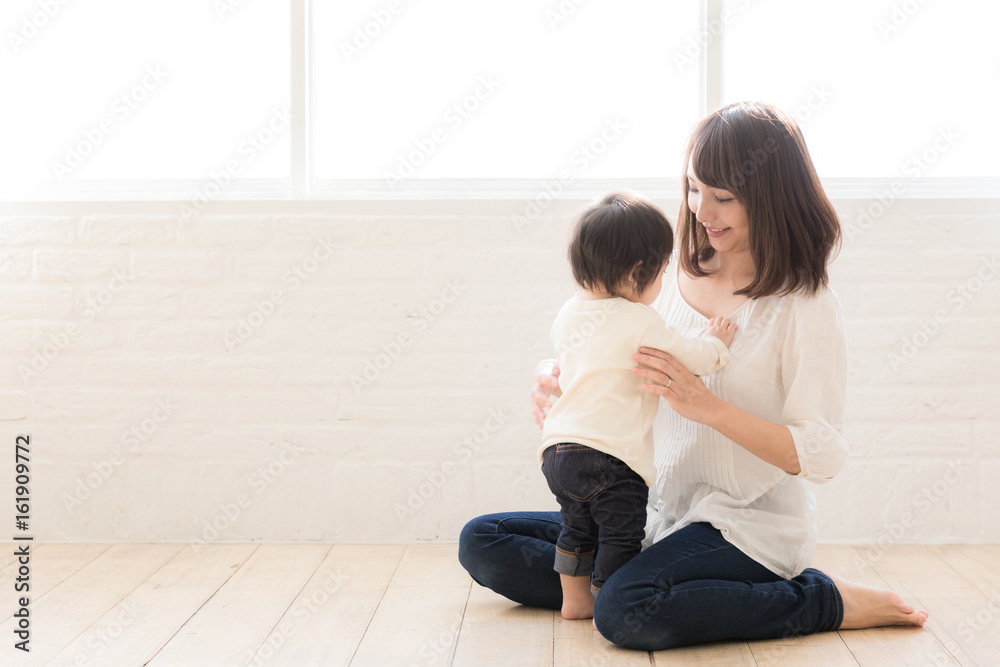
[691,399]
[546,386]
[686,394]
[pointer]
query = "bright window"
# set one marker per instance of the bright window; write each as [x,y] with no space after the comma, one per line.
[209,99]
[127,90]
[882,88]
[523,90]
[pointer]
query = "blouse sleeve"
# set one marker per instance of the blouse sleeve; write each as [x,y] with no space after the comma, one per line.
[814,374]
[701,356]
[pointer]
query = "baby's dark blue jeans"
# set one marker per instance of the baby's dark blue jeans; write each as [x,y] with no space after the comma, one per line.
[603,506]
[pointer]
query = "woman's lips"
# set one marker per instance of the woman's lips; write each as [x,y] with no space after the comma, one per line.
[716,233]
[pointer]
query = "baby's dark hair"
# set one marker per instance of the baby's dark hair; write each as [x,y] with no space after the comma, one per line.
[622,240]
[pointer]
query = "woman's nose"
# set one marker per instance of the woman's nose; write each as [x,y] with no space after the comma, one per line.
[701,210]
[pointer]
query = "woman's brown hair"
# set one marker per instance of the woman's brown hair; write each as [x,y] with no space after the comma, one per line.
[757,153]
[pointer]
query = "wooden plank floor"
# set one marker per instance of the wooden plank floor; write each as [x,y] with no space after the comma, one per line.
[171,605]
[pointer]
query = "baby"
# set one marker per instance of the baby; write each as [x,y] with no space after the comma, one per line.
[597,449]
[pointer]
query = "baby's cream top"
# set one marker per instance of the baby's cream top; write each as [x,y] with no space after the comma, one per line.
[603,404]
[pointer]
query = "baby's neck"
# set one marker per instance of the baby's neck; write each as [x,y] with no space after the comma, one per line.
[595,295]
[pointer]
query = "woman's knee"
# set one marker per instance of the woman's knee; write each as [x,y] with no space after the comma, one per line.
[470,544]
[633,617]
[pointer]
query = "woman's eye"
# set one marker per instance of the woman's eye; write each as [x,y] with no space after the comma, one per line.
[723,201]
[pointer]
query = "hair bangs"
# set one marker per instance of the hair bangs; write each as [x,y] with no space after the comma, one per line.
[714,156]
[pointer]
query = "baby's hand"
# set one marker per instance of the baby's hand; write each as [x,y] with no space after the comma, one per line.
[722,329]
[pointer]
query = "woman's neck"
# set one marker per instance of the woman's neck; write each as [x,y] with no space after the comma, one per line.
[735,268]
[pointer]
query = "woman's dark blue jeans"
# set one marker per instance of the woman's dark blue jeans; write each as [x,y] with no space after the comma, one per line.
[691,587]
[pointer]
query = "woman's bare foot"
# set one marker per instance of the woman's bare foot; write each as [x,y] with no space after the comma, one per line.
[578,603]
[868,607]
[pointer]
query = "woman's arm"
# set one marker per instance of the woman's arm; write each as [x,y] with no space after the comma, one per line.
[808,440]
[691,399]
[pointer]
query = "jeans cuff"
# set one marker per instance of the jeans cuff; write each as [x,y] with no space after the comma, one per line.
[575,563]
[832,611]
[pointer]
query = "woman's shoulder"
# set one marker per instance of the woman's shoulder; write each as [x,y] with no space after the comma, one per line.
[823,300]
[797,310]
[822,297]
[817,313]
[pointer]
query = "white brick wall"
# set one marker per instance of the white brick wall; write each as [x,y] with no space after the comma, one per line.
[363,407]
[922,299]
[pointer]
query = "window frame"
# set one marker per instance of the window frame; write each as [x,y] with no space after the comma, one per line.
[300,185]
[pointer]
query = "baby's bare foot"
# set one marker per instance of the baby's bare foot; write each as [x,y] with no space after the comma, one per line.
[577,601]
[868,607]
[578,608]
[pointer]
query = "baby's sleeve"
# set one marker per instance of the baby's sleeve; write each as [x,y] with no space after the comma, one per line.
[701,356]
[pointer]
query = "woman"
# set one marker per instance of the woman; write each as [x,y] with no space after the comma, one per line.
[731,524]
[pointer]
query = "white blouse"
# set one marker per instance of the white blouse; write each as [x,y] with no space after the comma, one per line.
[603,404]
[789,366]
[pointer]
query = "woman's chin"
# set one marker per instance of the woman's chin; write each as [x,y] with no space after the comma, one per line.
[721,245]
[724,245]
